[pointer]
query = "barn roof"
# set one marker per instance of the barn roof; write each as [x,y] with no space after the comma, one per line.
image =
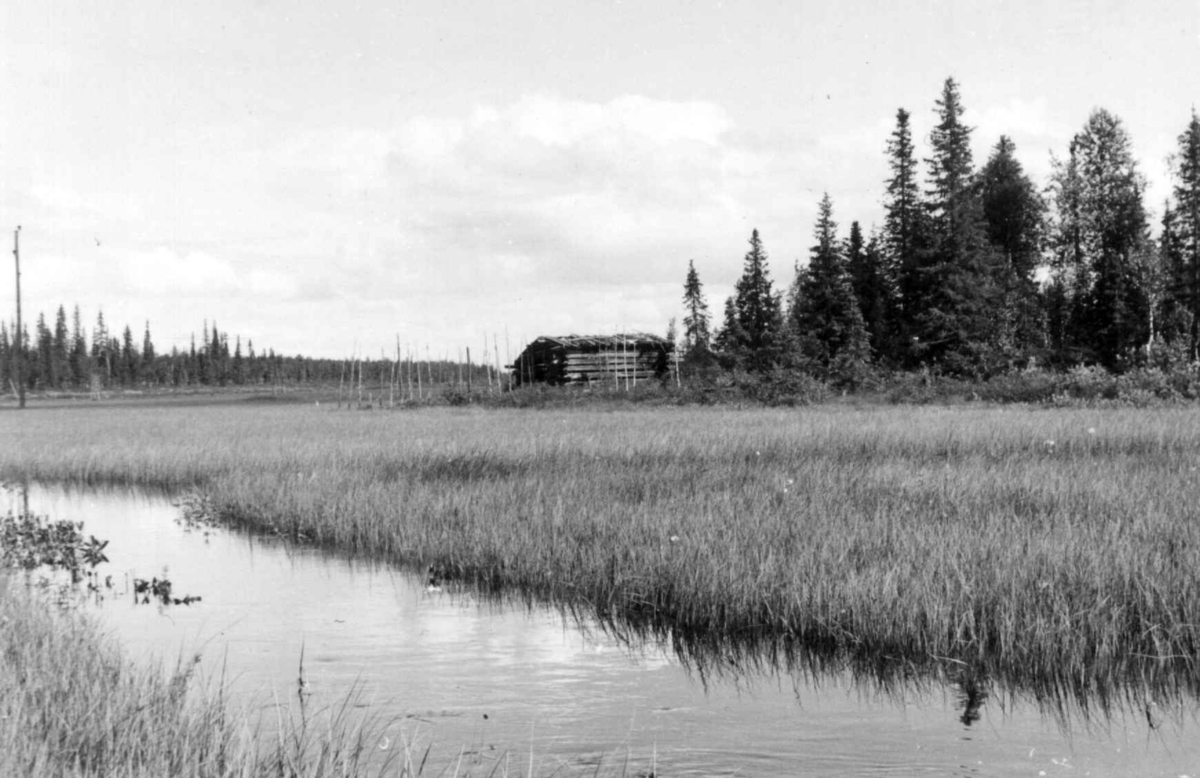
[598,341]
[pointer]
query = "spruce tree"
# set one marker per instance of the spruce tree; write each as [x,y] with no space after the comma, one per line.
[239,364]
[81,363]
[696,321]
[873,290]
[792,355]
[1013,210]
[1071,273]
[953,323]
[130,359]
[730,340]
[1014,215]
[195,362]
[828,319]
[101,353]
[1176,316]
[1099,233]
[903,226]
[42,373]
[1184,230]
[60,355]
[757,311]
[148,367]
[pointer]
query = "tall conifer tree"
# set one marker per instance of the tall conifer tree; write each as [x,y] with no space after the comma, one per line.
[1099,236]
[81,364]
[828,320]
[60,355]
[757,310]
[903,225]
[872,289]
[1014,216]
[696,320]
[130,359]
[1183,232]
[148,356]
[954,317]
[101,352]
[43,368]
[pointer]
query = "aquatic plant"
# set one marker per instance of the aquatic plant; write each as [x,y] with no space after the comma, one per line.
[28,541]
[159,589]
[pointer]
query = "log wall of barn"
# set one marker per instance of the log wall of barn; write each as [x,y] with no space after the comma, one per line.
[562,366]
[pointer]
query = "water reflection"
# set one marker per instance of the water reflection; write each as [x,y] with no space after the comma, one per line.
[490,679]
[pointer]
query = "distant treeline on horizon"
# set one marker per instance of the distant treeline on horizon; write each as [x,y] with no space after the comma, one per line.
[62,358]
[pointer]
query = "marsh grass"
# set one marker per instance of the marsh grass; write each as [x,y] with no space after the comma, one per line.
[1055,550]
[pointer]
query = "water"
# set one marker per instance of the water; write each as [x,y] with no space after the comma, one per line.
[495,682]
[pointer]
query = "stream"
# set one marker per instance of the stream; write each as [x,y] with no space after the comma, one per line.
[482,682]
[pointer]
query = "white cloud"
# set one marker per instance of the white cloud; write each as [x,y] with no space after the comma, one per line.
[555,122]
[167,273]
[591,192]
[552,192]
[1019,118]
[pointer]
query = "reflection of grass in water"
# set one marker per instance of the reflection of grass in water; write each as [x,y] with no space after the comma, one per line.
[71,705]
[920,536]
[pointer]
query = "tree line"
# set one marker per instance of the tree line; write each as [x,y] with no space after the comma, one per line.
[66,357]
[977,271]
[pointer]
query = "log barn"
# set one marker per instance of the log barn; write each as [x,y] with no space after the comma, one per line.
[575,359]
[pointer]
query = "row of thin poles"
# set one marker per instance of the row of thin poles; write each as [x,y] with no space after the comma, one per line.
[405,377]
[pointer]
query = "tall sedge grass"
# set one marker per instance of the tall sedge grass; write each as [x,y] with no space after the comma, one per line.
[1055,549]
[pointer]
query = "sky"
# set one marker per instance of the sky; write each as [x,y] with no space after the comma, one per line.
[330,179]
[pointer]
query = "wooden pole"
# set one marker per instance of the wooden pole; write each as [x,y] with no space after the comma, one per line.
[468,370]
[636,357]
[496,349]
[20,334]
[625,360]
[397,376]
[487,367]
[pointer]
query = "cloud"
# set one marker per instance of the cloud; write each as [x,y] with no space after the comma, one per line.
[1019,118]
[168,273]
[544,190]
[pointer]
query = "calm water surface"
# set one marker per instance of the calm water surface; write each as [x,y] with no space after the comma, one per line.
[494,682]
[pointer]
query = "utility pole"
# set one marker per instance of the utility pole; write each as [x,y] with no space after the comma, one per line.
[20,334]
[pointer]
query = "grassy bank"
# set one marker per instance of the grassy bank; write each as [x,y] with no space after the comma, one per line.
[1053,548]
